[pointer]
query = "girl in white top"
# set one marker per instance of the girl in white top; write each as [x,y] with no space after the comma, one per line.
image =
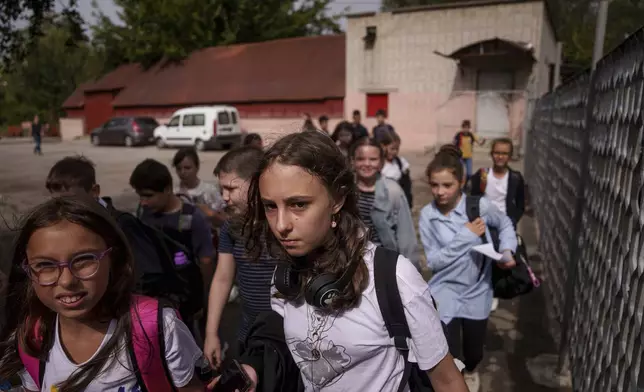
[395,166]
[303,200]
[79,292]
[205,195]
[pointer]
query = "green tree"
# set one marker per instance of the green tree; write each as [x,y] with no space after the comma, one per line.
[171,29]
[16,41]
[48,74]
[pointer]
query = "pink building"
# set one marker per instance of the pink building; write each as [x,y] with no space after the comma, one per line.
[433,66]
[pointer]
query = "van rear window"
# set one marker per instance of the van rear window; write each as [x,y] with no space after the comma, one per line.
[223,118]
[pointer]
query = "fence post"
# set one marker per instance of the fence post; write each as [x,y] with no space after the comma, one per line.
[575,250]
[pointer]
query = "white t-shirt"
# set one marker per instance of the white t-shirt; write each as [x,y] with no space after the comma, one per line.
[181,352]
[352,351]
[496,189]
[392,171]
[204,193]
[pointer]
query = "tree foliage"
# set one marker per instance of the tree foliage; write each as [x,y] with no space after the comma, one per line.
[575,24]
[16,40]
[48,74]
[172,29]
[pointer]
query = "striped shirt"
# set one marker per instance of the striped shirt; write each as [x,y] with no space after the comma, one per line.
[365,204]
[253,279]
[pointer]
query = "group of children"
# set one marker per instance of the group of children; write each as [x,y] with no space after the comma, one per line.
[300,228]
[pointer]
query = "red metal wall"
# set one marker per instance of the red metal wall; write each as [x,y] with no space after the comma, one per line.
[98,109]
[330,107]
[75,113]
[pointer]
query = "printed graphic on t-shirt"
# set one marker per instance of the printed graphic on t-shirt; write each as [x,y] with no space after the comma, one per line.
[321,361]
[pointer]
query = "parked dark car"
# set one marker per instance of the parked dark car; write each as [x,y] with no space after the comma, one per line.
[125,131]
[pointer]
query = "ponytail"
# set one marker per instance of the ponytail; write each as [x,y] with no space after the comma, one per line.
[448,158]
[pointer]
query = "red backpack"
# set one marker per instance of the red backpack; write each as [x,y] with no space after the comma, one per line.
[146,349]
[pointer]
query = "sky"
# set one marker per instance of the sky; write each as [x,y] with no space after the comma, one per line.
[337,7]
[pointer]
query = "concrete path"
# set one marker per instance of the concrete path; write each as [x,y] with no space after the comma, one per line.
[519,331]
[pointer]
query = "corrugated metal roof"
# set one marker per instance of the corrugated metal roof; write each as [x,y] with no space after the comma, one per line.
[77,99]
[296,69]
[117,79]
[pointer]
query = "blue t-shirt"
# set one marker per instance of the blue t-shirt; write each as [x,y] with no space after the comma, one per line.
[253,278]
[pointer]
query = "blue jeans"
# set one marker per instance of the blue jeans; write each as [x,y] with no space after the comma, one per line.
[37,141]
[468,167]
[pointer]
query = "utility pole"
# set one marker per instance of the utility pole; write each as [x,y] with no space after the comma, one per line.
[600,31]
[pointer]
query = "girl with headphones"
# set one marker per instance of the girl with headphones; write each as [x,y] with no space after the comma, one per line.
[302,200]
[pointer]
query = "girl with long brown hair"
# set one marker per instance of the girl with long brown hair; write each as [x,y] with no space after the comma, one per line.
[461,279]
[302,200]
[75,316]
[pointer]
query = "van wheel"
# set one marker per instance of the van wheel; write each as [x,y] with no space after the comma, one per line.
[200,145]
[159,142]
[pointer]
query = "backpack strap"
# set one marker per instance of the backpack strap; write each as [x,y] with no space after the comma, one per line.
[185,218]
[147,345]
[399,164]
[457,139]
[391,305]
[473,208]
[35,367]
[483,184]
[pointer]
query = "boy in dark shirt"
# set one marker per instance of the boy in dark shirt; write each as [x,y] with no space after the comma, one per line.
[182,221]
[359,130]
[382,130]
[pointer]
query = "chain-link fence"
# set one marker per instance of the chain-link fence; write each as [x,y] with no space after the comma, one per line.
[584,169]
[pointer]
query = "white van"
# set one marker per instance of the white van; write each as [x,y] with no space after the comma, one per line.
[201,126]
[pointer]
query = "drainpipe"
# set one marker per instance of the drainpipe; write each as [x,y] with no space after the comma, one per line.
[600,31]
[557,75]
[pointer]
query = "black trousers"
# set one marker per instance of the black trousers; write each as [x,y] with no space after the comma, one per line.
[466,339]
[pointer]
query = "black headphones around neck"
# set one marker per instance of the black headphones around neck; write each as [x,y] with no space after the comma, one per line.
[320,290]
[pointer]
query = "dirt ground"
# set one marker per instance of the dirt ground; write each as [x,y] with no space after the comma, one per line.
[518,331]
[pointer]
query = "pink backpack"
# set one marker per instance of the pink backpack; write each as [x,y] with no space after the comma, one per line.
[146,351]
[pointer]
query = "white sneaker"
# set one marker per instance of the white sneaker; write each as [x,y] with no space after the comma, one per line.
[234,293]
[472,380]
[495,304]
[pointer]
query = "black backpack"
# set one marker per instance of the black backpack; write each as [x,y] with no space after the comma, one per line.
[507,284]
[393,313]
[405,182]
[157,274]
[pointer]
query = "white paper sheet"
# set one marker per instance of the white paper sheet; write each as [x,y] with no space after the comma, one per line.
[488,250]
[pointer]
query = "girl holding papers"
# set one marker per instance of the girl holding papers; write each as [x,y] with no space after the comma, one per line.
[461,280]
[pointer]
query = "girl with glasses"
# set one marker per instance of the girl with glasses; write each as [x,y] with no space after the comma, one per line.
[77,317]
